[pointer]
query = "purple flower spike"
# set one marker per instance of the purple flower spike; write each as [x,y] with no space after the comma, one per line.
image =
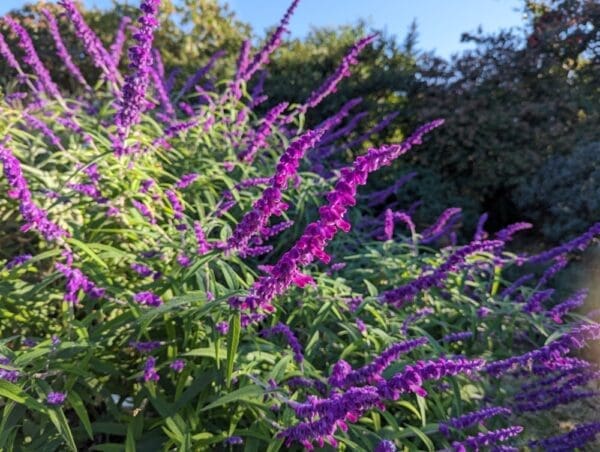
[487,438]
[576,438]
[175,203]
[32,59]
[177,365]
[222,328]
[133,102]
[385,446]
[91,43]
[312,244]
[459,336]
[203,245]
[284,330]
[343,71]
[116,49]
[470,419]
[77,281]
[147,298]
[186,180]
[18,260]
[62,51]
[442,226]
[265,129]
[576,301]
[56,398]
[270,202]
[150,372]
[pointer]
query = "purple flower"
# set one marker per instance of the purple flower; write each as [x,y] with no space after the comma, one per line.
[175,203]
[291,339]
[575,301]
[579,243]
[534,304]
[195,78]
[146,185]
[483,312]
[343,71]
[186,180]
[91,43]
[183,260]
[407,292]
[233,440]
[134,90]
[203,245]
[116,49]
[560,263]
[177,365]
[385,446]
[150,372]
[487,438]
[262,57]
[442,226]
[260,137]
[147,298]
[344,376]
[507,233]
[18,260]
[56,398]
[145,347]
[470,419]
[144,210]
[32,59]
[412,318]
[35,218]
[77,281]
[374,130]
[317,234]
[222,328]
[10,375]
[141,269]
[62,51]
[515,285]
[480,233]
[270,202]
[576,438]
[388,225]
[9,56]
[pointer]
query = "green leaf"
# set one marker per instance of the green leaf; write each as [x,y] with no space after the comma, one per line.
[245,393]
[60,422]
[233,341]
[81,412]
[87,250]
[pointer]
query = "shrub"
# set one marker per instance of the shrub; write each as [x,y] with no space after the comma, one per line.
[566,189]
[151,300]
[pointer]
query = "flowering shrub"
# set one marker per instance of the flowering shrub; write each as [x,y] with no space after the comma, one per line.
[176,276]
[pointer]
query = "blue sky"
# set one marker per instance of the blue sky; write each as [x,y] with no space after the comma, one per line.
[441,22]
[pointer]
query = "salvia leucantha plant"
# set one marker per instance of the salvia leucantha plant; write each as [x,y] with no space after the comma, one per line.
[179,273]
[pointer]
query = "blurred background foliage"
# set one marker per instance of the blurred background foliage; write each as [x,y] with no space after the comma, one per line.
[522,105]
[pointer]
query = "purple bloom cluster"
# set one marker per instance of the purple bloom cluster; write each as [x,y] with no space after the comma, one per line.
[480,233]
[414,317]
[442,226]
[203,245]
[291,339]
[147,298]
[145,346]
[487,438]
[407,292]
[177,365]
[144,210]
[134,90]
[270,202]
[578,243]
[575,301]
[325,416]
[534,304]
[150,372]
[9,56]
[458,336]
[18,260]
[343,71]
[342,374]
[175,203]
[385,446]
[576,438]
[116,49]
[574,339]
[260,137]
[197,76]
[507,233]
[510,290]
[222,328]
[56,398]
[186,180]
[62,51]
[470,419]
[11,375]
[316,235]
[91,43]
[32,59]
[77,281]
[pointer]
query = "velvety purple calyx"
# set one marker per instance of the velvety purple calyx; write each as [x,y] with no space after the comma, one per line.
[76,282]
[56,398]
[485,439]
[470,419]
[289,336]
[264,131]
[62,51]
[145,346]
[32,59]
[407,292]
[442,226]
[150,371]
[561,309]
[133,101]
[177,365]
[578,437]
[385,446]
[18,260]
[147,298]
